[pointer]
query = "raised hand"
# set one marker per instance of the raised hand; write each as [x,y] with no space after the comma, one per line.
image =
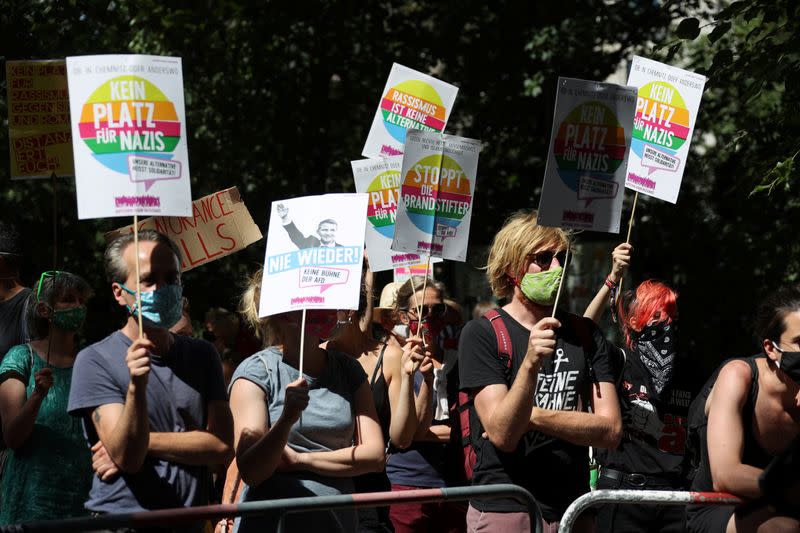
[620,261]
[296,400]
[138,360]
[43,381]
[542,341]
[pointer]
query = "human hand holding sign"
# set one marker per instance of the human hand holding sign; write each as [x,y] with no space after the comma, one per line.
[620,261]
[138,360]
[542,342]
[296,400]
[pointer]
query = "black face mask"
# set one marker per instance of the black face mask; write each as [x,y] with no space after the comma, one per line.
[656,346]
[790,363]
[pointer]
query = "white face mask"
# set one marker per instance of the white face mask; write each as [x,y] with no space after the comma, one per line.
[402,330]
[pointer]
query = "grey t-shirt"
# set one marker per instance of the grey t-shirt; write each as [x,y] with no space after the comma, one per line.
[179,388]
[328,424]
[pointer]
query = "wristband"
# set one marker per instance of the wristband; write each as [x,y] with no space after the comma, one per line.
[610,284]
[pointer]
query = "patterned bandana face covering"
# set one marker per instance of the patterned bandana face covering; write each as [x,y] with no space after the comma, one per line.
[657,345]
[541,288]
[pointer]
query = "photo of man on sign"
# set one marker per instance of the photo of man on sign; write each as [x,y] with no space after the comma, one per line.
[326,230]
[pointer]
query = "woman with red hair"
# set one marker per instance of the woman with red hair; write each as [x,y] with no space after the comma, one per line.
[653,400]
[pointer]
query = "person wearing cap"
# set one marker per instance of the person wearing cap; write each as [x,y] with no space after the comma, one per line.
[13,295]
[384,315]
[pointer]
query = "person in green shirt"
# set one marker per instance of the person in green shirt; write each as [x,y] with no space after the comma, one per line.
[49,469]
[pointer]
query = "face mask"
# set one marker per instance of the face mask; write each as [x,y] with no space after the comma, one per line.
[430,328]
[401,330]
[656,346]
[320,323]
[69,319]
[161,308]
[541,288]
[789,363]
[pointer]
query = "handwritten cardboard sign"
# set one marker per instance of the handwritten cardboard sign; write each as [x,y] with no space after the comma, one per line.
[666,113]
[220,225]
[39,134]
[585,173]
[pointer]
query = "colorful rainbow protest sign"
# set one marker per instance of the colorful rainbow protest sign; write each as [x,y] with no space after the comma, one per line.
[411,100]
[129,136]
[588,150]
[666,111]
[438,183]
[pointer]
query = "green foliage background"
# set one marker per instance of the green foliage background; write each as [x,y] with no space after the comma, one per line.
[280,96]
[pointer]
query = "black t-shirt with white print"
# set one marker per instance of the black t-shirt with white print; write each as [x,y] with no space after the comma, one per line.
[554,471]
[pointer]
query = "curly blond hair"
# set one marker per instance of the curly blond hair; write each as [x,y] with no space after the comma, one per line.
[519,237]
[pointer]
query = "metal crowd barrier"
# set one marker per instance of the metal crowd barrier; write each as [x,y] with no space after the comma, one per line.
[171,517]
[661,497]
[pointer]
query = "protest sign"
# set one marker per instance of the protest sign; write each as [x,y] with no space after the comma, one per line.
[380,179]
[585,171]
[129,136]
[40,139]
[666,113]
[411,100]
[314,253]
[404,273]
[220,225]
[438,183]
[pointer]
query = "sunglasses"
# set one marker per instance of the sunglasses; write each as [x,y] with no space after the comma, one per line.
[545,258]
[49,274]
[431,310]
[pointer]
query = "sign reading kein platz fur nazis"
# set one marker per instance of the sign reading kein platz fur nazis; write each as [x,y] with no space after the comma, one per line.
[129,137]
[584,178]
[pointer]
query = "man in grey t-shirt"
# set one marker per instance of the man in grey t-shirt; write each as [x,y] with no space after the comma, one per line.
[154,407]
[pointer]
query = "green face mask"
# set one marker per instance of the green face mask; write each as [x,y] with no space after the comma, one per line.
[69,319]
[541,288]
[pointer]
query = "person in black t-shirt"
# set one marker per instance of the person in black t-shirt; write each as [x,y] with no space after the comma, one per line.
[530,424]
[13,296]
[655,391]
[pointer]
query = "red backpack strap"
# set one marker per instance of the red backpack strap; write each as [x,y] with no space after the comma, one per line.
[505,350]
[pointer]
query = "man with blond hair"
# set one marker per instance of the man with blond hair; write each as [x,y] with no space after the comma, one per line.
[531,379]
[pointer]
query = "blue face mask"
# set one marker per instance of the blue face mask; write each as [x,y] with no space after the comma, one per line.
[161,308]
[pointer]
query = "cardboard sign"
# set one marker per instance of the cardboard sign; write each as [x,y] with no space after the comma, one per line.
[666,113]
[129,136]
[39,134]
[315,249]
[410,100]
[438,183]
[404,273]
[220,225]
[585,172]
[379,178]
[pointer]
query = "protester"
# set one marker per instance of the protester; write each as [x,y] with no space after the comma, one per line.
[48,471]
[424,464]
[154,407]
[384,315]
[278,453]
[13,295]
[655,392]
[532,408]
[390,370]
[753,416]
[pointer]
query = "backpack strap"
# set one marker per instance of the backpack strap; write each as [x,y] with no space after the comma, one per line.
[505,349]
